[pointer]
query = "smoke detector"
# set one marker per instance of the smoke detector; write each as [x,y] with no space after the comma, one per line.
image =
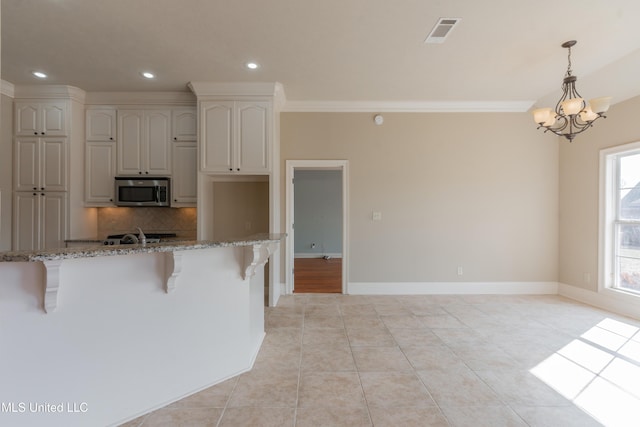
[441,30]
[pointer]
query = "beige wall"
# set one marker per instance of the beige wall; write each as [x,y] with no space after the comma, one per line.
[240,209]
[579,187]
[6,168]
[478,191]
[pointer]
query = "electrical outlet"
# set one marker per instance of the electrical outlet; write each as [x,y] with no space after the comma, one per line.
[313,246]
[376,216]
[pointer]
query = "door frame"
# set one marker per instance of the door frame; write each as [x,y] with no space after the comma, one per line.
[291,166]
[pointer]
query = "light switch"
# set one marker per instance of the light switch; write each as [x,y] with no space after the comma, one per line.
[376,216]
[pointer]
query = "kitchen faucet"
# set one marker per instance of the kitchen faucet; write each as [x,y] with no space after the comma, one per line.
[141,236]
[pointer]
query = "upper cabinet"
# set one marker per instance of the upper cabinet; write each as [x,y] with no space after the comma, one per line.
[235,136]
[101,125]
[42,118]
[143,142]
[184,124]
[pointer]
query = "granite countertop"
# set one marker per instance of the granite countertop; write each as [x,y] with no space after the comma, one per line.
[170,246]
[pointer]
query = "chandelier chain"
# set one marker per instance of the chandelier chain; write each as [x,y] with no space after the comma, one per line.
[569,62]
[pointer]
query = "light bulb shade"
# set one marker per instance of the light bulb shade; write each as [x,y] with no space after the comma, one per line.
[587,115]
[542,115]
[572,106]
[600,105]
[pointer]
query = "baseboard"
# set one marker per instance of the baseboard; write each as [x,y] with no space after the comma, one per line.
[617,302]
[317,255]
[452,288]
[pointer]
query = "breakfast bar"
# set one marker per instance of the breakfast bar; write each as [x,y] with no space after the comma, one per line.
[118,331]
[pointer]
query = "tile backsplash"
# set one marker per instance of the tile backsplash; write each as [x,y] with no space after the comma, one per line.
[181,221]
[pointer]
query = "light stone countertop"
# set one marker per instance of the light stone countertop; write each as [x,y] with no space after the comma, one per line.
[111,250]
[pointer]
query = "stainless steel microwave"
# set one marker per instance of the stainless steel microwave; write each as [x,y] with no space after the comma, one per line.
[135,191]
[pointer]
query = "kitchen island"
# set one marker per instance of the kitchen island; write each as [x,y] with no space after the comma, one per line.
[106,334]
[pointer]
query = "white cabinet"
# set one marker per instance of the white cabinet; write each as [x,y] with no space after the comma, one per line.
[40,220]
[101,124]
[43,118]
[235,136]
[40,164]
[184,124]
[100,171]
[143,142]
[184,180]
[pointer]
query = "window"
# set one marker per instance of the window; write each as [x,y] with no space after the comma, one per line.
[620,219]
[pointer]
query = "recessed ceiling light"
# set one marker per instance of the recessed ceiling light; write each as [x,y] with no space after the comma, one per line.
[39,74]
[252,65]
[148,75]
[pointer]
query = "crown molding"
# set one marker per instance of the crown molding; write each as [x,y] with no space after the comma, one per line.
[236,89]
[408,106]
[140,98]
[7,89]
[50,92]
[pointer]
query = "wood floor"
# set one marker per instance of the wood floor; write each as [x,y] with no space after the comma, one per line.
[317,275]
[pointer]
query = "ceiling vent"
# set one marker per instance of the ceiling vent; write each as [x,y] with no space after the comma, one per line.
[441,30]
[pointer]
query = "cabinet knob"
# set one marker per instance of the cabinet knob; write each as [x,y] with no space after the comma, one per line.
[111,138]
[41,133]
[238,169]
[175,200]
[42,188]
[147,172]
[35,188]
[34,194]
[175,138]
[111,200]
[35,133]
[42,194]
[231,169]
[140,173]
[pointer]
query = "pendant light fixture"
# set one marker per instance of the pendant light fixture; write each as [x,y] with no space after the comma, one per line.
[572,114]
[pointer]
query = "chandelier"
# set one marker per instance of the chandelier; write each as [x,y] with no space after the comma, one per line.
[572,114]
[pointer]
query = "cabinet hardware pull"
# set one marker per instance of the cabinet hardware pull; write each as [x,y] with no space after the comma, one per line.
[35,188]
[35,133]
[42,188]
[41,133]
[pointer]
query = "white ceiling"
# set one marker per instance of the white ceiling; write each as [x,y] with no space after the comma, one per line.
[329,50]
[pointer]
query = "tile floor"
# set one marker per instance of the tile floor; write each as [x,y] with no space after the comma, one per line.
[337,360]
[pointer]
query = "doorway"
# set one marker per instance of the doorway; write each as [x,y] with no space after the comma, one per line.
[316,219]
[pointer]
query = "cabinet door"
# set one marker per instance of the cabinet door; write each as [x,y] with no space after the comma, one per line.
[184,124]
[252,149]
[184,181]
[53,217]
[216,136]
[101,125]
[27,164]
[100,170]
[26,221]
[129,142]
[156,148]
[26,119]
[53,164]
[53,118]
